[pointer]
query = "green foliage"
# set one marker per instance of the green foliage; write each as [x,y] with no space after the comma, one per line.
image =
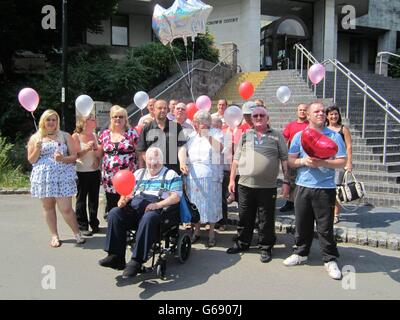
[394,69]
[203,48]
[11,176]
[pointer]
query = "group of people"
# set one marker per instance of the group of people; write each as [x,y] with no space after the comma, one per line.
[213,163]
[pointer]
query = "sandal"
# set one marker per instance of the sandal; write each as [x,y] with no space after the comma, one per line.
[55,242]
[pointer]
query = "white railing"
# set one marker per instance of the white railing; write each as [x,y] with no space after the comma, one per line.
[370,93]
[381,54]
[183,76]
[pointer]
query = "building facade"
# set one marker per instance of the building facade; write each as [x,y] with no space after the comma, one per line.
[264,31]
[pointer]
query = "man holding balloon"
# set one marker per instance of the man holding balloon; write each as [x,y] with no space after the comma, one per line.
[316,152]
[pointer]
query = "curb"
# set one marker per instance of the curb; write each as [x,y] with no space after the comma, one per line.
[15,191]
[361,237]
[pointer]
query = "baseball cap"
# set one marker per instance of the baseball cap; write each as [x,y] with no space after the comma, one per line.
[248,107]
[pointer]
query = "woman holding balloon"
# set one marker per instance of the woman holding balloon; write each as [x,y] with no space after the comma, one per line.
[88,171]
[118,149]
[52,155]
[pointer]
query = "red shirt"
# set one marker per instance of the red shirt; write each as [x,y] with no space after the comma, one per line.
[292,128]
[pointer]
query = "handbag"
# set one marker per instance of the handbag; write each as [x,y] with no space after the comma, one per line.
[189,211]
[351,189]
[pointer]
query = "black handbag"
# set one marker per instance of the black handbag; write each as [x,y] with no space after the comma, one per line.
[351,189]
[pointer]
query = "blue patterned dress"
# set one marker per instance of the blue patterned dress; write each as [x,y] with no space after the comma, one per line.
[50,178]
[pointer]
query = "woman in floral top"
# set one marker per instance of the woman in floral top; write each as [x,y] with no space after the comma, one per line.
[118,147]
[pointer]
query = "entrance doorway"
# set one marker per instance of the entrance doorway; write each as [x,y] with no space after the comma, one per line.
[277,41]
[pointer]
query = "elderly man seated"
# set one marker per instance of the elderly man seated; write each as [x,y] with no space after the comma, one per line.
[141,212]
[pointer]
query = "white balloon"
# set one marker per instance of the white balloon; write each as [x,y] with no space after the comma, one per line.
[141,99]
[84,104]
[233,116]
[283,94]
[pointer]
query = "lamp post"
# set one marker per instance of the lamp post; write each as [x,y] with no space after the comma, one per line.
[64,61]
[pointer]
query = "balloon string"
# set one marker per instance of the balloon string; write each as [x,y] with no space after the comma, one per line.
[191,85]
[34,121]
[189,73]
[178,63]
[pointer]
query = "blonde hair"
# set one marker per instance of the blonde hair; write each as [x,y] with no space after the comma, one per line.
[118,109]
[41,132]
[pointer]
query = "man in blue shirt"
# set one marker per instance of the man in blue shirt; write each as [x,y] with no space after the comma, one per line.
[316,192]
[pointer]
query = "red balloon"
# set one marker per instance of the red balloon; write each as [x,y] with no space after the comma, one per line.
[246,90]
[191,109]
[124,181]
[317,145]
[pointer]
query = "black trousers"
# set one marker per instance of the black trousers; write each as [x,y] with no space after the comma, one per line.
[225,193]
[111,201]
[147,226]
[315,204]
[251,201]
[88,189]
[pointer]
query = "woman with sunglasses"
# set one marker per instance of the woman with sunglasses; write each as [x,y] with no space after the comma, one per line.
[88,171]
[118,149]
[334,122]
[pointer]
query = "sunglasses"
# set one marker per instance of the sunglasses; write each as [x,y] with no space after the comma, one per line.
[118,117]
[259,115]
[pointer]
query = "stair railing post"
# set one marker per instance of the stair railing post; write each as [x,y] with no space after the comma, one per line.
[308,66]
[364,112]
[295,64]
[348,96]
[323,89]
[385,135]
[334,86]
[301,72]
[380,64]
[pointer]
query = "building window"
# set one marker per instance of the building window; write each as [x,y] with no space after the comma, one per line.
[119,30]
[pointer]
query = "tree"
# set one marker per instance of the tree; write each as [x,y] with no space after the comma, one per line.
[21,25]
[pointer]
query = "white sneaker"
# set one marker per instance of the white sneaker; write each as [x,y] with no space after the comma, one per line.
[79,239]
[294,259]
[333,270]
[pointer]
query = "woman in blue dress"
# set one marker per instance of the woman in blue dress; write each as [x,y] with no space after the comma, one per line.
[53,179]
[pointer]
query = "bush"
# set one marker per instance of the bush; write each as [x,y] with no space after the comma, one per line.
[11,176]
[394,69]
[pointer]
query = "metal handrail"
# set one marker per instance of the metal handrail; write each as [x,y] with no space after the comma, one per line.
[380,55]
[367,90]
[185,75]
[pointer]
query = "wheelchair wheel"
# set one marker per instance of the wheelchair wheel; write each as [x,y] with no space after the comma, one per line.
[161,268]
[183,248]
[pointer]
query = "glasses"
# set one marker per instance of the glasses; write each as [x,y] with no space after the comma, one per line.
[118,117]
[259,115]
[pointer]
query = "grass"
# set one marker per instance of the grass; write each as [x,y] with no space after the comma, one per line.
[11,174]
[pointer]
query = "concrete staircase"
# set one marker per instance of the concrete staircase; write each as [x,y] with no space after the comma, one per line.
[382,181]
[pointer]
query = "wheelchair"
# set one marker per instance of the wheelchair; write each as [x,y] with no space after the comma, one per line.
[172,241]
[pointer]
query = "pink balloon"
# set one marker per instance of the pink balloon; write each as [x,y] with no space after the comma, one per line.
[203,103]
[316,73]
[29,99]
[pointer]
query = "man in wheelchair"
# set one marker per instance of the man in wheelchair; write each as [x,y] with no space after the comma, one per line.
[156,188]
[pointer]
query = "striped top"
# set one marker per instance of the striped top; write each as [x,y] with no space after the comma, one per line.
[152,184]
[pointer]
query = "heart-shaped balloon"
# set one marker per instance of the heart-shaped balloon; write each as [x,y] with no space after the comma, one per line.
[317,145]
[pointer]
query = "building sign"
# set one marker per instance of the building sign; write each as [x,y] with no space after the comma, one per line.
[223,21]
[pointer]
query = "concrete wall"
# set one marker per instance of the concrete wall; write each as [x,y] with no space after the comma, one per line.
[238,21]
[343,54]
[139,30]
[382,14]
[318,32]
